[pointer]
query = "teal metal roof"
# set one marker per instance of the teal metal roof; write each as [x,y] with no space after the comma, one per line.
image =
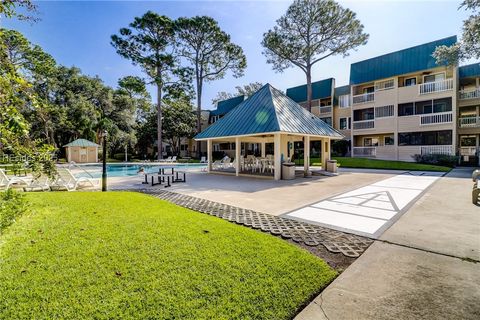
[224,106]
[339,91]
[81,143]
[320,90]
[396,63]
[266,111]
[469,71]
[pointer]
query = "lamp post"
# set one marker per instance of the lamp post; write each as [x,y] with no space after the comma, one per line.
[104,164]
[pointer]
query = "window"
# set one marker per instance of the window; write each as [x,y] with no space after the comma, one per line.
[327,120]
[410,82]
[363,114]
[468,141]
[385,111]
[443,137]
[370,142]
[405,109]
[344,101]
[344,123]
[184,147]
[368,90]
[385,85]
[434,77]
[423,107]
[389,140]
[442,105]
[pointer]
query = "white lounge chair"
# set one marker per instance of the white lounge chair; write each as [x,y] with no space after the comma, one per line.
[227,162]
[217,164]
[169,159]
[203,160]
[6,182]
[42,183]
[174,159]
[66,180]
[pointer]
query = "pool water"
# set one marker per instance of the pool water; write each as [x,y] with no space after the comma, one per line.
[128,170]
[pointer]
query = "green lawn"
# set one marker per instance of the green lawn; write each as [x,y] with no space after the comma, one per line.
[348,162]
[386,164]
[122,255]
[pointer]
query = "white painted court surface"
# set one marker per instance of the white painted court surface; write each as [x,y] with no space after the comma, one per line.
[369,210]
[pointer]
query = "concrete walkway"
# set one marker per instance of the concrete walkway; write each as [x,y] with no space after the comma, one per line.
[371,209]
[426,266]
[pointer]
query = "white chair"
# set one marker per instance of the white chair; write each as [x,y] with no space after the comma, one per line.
[227,162]
[38,184]
[174,159]
[6,182]
[169,159]
[203,160]
[66,180]
[217,164]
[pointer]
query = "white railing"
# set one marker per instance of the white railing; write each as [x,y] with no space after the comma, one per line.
[437,86]
[364,124]
[384,85]
[434,118]
[468,151]
[470,94]
[325,109]
[364,151]
[363,98]
[469,122]
[444,149]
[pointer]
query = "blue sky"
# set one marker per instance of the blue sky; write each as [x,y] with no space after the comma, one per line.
[78,33]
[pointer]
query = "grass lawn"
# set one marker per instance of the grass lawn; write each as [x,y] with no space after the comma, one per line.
[387,164]
[122,255]
[348,162]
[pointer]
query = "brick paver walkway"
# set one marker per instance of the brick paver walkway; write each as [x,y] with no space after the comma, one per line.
[312,235]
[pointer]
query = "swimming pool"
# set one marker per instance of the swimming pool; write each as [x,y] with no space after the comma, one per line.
[128,170]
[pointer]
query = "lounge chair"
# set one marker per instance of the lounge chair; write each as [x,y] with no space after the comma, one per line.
[174,159]
[169,159]
[66,180]
[38,184]
[6,182]
[227,162]
[203,160]
[217,164]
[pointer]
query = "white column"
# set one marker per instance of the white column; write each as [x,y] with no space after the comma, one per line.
[209,155]
[325,152]
[277,156]
[263,149]
[237,156]
[306,154]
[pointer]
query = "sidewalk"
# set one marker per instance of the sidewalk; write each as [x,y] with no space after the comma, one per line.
[426,266]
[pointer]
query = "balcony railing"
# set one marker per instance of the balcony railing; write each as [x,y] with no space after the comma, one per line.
[325,109]
[437,86]
[434,118]
[469,122]
[470,94]
[468,151]
[364,124]
[363,98]
[443,149]
[364,151]
[384,85]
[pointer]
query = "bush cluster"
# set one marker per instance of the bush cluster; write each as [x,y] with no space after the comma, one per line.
[436,159]
[12,206]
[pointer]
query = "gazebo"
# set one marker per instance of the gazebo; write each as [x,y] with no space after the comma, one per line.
[81,151]
[269,116]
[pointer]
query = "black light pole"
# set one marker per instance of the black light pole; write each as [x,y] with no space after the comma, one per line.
[104,165]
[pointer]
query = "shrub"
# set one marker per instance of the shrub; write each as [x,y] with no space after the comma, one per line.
[12,206]
[340,147]
[436,159]
[121,156]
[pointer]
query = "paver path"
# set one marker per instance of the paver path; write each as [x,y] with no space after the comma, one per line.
[368,210]
[312,235]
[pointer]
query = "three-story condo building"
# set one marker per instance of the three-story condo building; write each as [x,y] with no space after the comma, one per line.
[403,103]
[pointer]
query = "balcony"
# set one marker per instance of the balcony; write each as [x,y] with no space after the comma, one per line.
[469,122]
[369,152]
[437,86]
[325,109]
[435,118]
[363,98]
[364,124]
[469,94]
[442,149]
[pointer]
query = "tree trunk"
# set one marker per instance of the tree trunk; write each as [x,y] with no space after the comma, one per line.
[159,122]
[309,88]
[199,114]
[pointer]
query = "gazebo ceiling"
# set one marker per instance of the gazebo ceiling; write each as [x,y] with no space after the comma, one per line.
[268,111]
